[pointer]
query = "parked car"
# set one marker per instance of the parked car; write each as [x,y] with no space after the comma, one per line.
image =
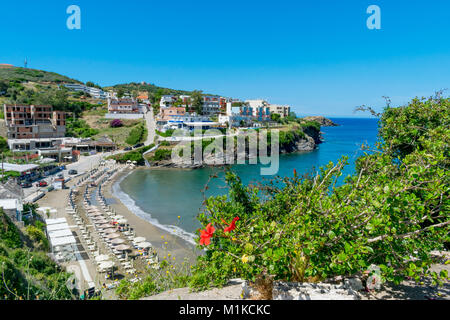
[128,149]
[138,145]
[26,184]
[73,172]
[42,184]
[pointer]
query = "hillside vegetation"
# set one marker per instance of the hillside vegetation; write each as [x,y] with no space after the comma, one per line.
[391,213]
[18,74]
[26,272]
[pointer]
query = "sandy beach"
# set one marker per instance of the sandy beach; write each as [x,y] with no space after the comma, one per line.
[163,241]
[167,245]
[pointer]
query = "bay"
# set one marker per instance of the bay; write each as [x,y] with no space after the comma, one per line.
[161,196]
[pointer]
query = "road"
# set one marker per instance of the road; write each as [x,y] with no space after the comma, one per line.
[151,126]
[83,165]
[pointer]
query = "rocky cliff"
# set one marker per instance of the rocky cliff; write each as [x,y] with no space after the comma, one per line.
[324,122]
[302,138]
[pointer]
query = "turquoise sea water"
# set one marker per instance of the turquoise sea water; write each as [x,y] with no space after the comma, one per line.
[160,196]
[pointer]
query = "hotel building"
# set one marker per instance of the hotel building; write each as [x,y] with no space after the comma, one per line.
[34,122]
[123,105]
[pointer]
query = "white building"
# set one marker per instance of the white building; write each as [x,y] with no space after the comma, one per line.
[233,116]
[45,147]
[257,104]
[123,105]
[93,92]
[11,199]
[167,101]
[282,110]
[181,121]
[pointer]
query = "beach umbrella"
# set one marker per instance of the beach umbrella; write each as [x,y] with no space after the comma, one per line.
[117,241]
[139,239]
[122,221]
[113,235]
[110,230]
[105,226]
[102,257]
[144,245]
[122,247]
[106,265]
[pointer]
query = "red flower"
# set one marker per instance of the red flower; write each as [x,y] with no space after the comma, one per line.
[232,225]
[205,235]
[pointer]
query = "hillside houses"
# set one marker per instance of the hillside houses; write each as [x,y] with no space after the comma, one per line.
[225,111]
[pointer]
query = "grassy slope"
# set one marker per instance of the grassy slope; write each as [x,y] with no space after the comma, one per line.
[95,119]
[22,74]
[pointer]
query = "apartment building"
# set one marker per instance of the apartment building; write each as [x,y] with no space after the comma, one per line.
[123,105]
[34,122]
[43,147]
[262,108]
[213,105]
[167,113]
[261,113]
[93,92]
[167,101]
[283,111]
[143,97]
[186,100]
[256,103]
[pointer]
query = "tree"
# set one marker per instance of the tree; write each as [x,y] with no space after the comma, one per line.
[291,117]
[120,92]
[3,145]
[275,117]
[92,85]
[197,101]
[3,88]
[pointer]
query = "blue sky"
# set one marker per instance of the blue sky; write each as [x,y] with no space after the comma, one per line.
[318,56]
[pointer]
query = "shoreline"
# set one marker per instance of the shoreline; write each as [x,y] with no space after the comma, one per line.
[176,246]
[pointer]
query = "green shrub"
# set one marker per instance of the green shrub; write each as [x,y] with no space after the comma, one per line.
[135,155]
[310,124]
[38,235]
[28,273]
[136,135]
[155,281]
[392,212]
[9,234]
[161,154]
[79,128]
[166,134]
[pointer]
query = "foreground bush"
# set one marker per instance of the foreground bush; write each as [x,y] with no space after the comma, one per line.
[27,274]
[392,212]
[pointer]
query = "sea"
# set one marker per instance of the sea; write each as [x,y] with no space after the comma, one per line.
[171,199]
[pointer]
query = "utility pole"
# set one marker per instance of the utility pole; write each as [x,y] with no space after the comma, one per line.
[3,170]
